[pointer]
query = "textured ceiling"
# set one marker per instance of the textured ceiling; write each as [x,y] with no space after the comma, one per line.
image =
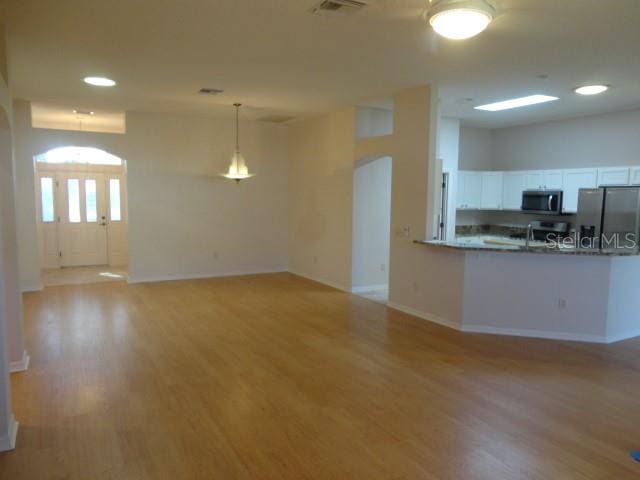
[278,59]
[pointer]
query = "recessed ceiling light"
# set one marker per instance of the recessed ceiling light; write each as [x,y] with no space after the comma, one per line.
[460,19]
[516,103]
[99,81]
[591,89]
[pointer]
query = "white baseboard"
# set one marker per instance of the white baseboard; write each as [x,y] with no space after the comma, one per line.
[424,316]
[370,288]
[197,276]
[549,335]
[622,336]
[8,440]
[324,281]
[32,288]
[20,365]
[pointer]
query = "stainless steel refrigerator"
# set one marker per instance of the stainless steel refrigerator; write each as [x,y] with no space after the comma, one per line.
[609,219]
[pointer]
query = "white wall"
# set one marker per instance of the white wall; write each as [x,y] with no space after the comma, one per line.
[476,149]
[320,207]
[599,140]
[322,156]
[184,220]
[11,343]
[449,151]
[371,223]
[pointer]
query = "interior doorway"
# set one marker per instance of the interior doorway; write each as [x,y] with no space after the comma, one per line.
[81,214]
[371,228]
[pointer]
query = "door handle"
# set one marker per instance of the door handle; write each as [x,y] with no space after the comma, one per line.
[550,204]
[103,224]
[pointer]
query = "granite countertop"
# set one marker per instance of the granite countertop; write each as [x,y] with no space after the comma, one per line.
[543,250]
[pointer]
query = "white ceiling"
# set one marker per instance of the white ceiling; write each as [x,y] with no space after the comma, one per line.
[277,58]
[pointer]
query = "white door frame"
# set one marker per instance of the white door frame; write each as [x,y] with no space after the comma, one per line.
[49,233]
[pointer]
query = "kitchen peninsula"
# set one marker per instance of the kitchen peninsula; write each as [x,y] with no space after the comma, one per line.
[563,294]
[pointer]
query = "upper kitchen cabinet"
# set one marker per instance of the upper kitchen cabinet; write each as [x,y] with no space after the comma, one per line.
[544,180]
[491,196]
[635,176]
[613,176]
[574,180]
[469,190]
[513,184]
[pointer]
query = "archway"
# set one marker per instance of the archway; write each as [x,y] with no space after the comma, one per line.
[81,215]
[371,227]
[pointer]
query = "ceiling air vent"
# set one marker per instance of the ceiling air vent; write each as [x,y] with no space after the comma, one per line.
[337,7]
[210,91]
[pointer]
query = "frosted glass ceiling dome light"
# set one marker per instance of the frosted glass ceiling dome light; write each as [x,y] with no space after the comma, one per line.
[460,19]
[99,81]
[591,89]
[238,169]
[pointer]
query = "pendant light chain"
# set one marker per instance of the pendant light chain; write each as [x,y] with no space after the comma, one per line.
[237,105]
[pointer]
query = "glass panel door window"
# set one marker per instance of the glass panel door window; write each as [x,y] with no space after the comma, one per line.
[91,200]
[114,200]
[47,200]
[73,197]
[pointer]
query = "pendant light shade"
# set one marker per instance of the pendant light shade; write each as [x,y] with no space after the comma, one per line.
[237,168]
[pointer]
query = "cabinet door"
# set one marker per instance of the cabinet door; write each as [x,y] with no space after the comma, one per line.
[613,176]
[533,180]
[635,176]
[552,180]
[491,197]
[574,180]
[514,183]
[473,189]
[460,192]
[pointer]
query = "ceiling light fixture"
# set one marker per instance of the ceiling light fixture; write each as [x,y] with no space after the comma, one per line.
[460,19]
[99,81]
[238,168]
[591,89]
[516,103]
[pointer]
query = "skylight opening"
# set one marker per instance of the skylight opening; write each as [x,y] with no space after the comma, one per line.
[516,103]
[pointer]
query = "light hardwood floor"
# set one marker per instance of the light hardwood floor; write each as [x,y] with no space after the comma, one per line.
[277,377]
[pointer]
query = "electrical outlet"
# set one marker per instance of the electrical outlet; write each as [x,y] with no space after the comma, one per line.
[216,255]
[415,286]
[315,259]
[383,267]
[562,303]
[403,232]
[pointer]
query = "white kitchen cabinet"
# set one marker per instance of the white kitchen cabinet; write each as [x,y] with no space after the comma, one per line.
[574,180]
[613,176]
[491,191]
[469,190]
[533,180]
[513,184]
[543,180]
[635,176]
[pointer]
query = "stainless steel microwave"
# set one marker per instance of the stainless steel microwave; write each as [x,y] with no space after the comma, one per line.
[547,202]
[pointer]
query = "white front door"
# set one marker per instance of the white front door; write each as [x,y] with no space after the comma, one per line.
[82,233]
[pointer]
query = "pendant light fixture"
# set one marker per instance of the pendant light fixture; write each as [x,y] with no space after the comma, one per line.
[238,168]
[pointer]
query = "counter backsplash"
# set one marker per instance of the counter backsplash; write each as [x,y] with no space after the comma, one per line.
[499,230]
